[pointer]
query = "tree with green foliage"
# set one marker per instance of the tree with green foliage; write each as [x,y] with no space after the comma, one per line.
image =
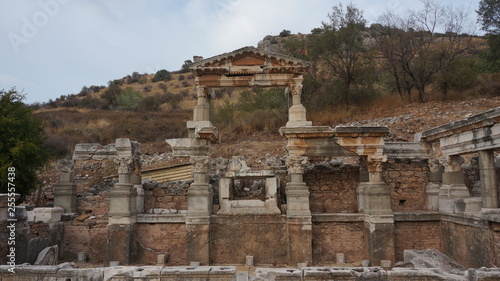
[111,94]
[285,33]
[22,152]
[185,66]
[129,99]
[162,75]
[341,48]
[489,17]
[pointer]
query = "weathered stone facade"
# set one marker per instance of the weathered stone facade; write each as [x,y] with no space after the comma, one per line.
[299,211]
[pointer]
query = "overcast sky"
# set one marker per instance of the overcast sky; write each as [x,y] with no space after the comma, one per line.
[53,47]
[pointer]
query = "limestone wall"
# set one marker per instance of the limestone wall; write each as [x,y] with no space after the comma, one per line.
[416,235]
[164,238]
[330,238]
[407,180]
[333,188]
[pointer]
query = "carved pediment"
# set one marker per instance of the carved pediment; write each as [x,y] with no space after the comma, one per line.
[249,60]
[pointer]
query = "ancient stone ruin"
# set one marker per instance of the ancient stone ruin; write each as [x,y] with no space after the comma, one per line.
[342,204]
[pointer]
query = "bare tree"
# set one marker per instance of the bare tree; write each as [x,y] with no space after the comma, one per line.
[413,48]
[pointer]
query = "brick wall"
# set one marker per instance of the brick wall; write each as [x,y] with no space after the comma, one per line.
[407,180]
[416,235]
[165,238]
[89,236]
[333,188]
[330,238]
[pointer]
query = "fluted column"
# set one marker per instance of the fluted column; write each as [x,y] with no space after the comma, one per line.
[487,174]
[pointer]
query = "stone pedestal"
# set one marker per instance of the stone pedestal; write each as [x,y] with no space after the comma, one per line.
[379,231]
[122,244]
[487,174]
[453,188]
[137,182]
[198,239]
[376,198]
[199,210]
[434,184]
[298,213]
[65,190]
[300,239]
[122,223]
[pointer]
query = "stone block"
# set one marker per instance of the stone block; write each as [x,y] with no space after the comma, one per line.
[471,205]
[385,263]
[288,274]
[161,259]
[249,261]
[340,258]
[48,215]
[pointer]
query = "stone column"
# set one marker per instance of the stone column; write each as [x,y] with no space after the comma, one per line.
[453,186]
[487,174]
[201,111]
[65,190]
[122,206]
[434,184]
[297,112]
[298,212]
[379,219]
[199,210]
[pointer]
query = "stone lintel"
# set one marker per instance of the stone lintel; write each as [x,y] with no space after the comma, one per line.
[484,119]
[383,219]
[306,132]
[361,131]
[122,220]
[417,216]
[161,218]
[94,151]
[475,221]
[407,150]
[338,217]
[483,138]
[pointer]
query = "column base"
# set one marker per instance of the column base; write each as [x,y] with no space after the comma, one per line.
[376,198]
[297,198]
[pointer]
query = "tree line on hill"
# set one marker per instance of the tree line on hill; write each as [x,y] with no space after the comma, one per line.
[351,63]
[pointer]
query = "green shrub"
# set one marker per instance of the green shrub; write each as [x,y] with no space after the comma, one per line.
[129,100]
[162,75]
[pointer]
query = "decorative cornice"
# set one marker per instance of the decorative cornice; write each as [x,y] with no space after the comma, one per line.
[273,63]
[484,119]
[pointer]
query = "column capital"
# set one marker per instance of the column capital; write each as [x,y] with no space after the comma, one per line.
[295,164]
[451,163]
[200,164]
[125,165]
[201,91]
[296,88]
[434,166]
[66,166]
